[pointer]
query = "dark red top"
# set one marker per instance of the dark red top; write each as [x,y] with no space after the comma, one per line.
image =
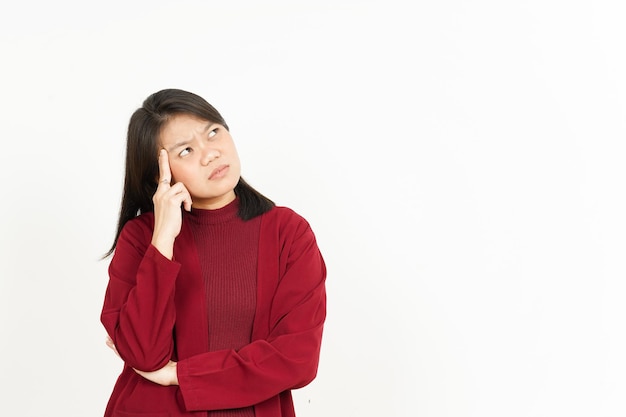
[155,310]
[227,251]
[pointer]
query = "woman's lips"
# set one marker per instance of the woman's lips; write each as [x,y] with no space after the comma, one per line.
[218,172]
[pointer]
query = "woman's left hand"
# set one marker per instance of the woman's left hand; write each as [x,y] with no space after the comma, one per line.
[165,376]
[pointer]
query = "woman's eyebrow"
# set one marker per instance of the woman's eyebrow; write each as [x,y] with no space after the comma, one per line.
[178,144]
[187,141]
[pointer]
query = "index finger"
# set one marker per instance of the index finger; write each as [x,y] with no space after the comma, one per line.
[165,176]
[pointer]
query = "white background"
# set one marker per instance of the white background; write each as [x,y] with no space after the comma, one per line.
[461,162]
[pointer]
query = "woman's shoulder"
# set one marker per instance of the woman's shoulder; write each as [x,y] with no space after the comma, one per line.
[140,227]
[284,213]
[142,220]
[285,219]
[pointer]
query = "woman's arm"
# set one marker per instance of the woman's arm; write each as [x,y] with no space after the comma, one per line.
[138,311]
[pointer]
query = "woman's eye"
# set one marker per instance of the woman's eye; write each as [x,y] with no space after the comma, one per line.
[213,133]
[185,152]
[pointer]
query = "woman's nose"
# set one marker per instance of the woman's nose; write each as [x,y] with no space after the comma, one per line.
[209,155]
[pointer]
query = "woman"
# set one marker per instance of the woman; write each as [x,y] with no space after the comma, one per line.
[216,298]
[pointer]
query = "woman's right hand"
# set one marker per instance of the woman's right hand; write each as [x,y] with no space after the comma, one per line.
[167,201]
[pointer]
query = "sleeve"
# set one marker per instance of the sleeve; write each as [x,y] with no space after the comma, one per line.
[287,358]
[139,311]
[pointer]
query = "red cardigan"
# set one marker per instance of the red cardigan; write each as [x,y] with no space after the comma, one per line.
[154,310]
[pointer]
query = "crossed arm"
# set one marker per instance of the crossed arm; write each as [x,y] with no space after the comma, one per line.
[165,376]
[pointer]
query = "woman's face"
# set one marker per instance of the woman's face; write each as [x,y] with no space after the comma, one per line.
[202,155]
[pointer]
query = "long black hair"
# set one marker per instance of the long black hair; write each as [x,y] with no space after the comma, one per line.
[142,169]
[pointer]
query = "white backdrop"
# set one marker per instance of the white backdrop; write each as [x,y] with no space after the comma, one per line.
[461,163]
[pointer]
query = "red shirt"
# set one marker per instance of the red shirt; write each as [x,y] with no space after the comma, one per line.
[156,310]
